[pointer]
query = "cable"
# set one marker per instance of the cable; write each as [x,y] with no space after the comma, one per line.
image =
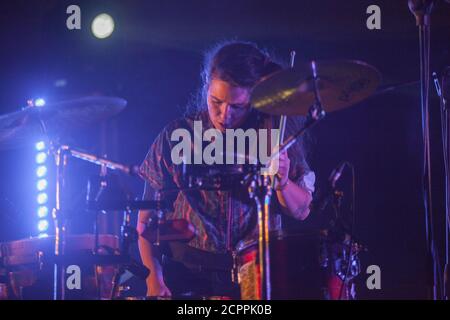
[352,227]
[445,136]
[424,39]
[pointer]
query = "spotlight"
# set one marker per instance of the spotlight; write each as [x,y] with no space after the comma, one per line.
[43,235]
[41,171]
[41,184]
[42,198]
[102,26]
[39,102]
[40,145]
[42,225]
[41,157]
[42,212]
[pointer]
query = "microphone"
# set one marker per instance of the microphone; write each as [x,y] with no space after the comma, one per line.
[444,91]
[332,179]
[336,174]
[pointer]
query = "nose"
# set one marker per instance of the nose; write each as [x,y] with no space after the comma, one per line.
[226,114]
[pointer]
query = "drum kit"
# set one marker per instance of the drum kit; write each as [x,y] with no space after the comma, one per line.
[276,266]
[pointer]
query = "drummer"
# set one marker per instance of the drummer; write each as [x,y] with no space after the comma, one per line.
[222,218]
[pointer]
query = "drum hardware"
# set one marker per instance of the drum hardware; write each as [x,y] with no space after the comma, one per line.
[160,229]
[297,91]
[103,185]
[19,128]
[28,265]
[128,236]
[34,120]
[159,220]
[295,269]
[340,248]
[128,233]
[316,113]
[214,177]
[340,83]
[312,90]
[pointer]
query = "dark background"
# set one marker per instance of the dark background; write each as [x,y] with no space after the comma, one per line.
[153,60]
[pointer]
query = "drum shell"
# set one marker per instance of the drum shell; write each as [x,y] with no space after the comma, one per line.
[296,267]
[29,265]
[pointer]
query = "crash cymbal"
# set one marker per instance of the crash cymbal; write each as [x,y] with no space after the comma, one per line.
[23,127]
[341,84]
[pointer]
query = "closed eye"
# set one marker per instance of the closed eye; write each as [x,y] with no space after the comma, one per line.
[238,106]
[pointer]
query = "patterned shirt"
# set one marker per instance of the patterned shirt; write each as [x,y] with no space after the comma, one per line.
[222,218]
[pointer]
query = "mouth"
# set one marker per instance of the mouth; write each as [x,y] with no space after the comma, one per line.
[224,125]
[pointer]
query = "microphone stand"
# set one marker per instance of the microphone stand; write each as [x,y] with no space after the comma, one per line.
[445,125]
[422,11]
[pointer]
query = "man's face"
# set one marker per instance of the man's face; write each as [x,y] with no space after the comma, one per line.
[228,106]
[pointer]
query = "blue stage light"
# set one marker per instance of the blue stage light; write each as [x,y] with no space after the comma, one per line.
[39,102]
[42,198]
[42,225]
[42,212]
[41,171]
[40,145]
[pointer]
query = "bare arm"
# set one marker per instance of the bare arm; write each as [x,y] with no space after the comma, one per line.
[294,199]
[149,255]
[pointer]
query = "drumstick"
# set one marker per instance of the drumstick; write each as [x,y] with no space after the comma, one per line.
[283,118]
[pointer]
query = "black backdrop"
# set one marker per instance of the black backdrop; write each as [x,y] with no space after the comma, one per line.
[153,60]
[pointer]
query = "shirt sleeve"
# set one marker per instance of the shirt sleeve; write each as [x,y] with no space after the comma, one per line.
[300,172]
[157,169]
[308,181]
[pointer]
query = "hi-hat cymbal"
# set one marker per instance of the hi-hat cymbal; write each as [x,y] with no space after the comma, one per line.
[340,84]
[23,127]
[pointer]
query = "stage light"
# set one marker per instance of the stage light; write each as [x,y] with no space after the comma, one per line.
[41,157]
[41,171]
[42,198]
[42,225]
[40,145]
[42,212]
[39,102]
[41,184]
[102,26]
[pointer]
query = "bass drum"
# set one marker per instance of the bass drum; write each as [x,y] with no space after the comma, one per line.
[296,267]
[28,265]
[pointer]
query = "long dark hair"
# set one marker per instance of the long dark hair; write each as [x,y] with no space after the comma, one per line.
[242,64]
